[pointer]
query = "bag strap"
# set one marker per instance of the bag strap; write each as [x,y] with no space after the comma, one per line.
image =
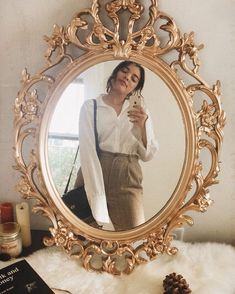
[70,175]
[96,146]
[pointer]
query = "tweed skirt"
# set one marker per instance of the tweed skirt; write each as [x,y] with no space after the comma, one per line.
[123,187]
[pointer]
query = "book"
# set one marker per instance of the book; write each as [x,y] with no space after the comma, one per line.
[21,278]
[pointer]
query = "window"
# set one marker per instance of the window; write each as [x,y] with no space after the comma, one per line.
[63,138]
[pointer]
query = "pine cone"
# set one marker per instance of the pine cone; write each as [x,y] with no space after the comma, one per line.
[175,284]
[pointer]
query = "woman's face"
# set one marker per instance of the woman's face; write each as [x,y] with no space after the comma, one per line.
[126,80]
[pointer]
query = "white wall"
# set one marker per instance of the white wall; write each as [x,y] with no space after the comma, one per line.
[24,23]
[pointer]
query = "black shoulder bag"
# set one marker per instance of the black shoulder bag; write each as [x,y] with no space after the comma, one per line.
[76,199]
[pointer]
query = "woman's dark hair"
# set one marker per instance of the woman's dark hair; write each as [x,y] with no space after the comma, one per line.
[122,65]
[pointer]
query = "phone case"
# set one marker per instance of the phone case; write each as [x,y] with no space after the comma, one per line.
[135,100]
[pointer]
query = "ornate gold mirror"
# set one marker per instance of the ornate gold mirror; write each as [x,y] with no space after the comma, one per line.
[186,115]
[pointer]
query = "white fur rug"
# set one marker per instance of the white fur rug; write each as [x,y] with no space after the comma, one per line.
[209,268]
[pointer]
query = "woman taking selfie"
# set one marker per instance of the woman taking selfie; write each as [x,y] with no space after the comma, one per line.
[113,181]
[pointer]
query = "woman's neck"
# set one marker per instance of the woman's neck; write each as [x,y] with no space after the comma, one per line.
[115,101]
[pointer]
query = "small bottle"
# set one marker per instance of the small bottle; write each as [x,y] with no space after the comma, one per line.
[10,239]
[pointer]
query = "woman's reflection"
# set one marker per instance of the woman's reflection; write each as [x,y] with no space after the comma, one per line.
[113,181]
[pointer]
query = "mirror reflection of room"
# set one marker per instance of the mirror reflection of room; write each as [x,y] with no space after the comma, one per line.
[64,140]
[112,173]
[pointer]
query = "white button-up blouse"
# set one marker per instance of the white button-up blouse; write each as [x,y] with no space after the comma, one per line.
[115,134]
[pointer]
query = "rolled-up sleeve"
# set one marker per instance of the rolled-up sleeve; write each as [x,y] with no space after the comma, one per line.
[148,152]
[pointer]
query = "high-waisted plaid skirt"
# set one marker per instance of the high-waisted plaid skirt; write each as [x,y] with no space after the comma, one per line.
[123,187]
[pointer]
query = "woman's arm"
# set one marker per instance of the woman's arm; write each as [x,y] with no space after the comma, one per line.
[143,131]
[138,117]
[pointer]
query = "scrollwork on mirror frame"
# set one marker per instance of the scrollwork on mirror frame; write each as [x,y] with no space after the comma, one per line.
[208,123]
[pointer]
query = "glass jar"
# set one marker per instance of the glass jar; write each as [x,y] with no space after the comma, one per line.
[10,239]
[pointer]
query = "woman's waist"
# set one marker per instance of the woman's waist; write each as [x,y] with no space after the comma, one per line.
[104,153]
[117,147]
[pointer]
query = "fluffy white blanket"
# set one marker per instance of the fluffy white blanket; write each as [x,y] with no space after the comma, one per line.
[209,268]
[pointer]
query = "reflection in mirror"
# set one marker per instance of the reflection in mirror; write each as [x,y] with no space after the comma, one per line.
[63,133]
[160,175]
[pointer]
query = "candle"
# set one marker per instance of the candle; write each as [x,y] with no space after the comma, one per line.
[10,240]
[22,216]
[6,212]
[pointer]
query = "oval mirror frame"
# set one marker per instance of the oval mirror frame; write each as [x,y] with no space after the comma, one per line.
[85,42]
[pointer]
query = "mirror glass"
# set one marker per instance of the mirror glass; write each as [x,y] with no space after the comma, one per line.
[161,174]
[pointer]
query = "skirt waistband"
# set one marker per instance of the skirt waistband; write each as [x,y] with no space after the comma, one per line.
[116,154]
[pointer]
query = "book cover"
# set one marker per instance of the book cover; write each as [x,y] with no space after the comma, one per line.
[21,278]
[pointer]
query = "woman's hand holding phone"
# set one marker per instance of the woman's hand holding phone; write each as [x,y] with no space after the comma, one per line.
[138,116]
[136,112]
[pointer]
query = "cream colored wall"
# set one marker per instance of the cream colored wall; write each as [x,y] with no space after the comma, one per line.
[23,24]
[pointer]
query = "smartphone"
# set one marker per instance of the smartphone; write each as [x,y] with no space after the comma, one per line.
[135,100]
